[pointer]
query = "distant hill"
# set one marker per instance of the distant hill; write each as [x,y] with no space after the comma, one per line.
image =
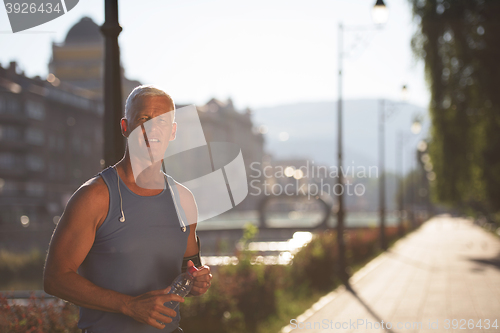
[312,129]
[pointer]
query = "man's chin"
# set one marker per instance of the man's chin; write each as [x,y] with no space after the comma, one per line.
[158,152]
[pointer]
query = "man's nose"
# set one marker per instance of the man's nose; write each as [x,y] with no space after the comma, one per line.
[157,123]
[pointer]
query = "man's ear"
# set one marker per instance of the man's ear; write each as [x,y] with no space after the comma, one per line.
[124,126]
[174,130]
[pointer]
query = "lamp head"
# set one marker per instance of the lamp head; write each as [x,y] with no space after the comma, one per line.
[404,93]
[416,127]
[380,13]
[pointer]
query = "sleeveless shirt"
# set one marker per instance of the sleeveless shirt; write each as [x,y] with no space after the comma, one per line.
[142,254]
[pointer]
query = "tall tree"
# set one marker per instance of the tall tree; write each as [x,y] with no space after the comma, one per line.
[459,41]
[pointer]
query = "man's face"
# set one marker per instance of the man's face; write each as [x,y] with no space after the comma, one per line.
[153,114]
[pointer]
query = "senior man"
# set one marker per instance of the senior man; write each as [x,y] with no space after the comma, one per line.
[118,246]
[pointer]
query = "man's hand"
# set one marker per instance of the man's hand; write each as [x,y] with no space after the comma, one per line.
[148,308]
[202,279]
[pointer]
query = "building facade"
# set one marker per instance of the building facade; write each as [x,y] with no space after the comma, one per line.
[50,142]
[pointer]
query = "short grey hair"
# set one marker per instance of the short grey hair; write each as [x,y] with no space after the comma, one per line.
[144,91]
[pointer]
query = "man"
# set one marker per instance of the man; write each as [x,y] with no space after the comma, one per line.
[118,246]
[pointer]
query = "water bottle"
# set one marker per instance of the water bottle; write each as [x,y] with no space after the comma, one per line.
[181,286]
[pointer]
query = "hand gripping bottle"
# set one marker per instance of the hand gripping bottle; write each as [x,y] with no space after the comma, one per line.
[181,286]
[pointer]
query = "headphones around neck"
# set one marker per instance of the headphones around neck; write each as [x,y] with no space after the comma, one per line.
[122,219]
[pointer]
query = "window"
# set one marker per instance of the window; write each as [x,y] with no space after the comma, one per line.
[76,144]
[35,189]
[86,148]
[8,105]
[34,162]
[98,135]
[7,161]
[8,188]
[34,136]
[52,142]
[62,170]
[35,110]
[54,171]
[9,133]
[60,143]
[12,106]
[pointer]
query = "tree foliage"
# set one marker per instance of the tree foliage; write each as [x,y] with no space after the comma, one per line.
[459,41]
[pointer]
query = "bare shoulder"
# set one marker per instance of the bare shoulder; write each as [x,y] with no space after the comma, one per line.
[75,233]
[91,199]
[94,188]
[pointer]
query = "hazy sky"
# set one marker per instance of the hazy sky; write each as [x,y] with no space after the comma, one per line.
[259,53]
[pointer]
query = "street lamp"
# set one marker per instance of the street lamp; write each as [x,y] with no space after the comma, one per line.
[114,143]
[380,13]
[381,160]
[403,139]
[416,127]
[404,93]
[380,16]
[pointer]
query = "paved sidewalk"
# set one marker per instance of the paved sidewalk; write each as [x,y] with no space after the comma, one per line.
[447,269]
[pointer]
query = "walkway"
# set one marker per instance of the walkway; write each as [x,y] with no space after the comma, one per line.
[447,269]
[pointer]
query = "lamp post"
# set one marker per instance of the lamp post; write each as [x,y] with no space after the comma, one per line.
[403,139]
[381,161]
[114,143]
[399,159]
[416,126]
[340,180]
[380,15]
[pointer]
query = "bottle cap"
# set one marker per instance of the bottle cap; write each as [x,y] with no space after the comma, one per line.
[192,269]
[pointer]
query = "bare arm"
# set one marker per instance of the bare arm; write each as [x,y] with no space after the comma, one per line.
[188,204]
[70,244]
[203,276]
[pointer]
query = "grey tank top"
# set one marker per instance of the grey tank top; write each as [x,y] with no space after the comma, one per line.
[142,254]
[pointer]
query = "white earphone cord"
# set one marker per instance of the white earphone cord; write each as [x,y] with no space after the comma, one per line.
[122,219]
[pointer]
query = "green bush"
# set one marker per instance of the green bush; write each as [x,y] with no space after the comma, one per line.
[314,266]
